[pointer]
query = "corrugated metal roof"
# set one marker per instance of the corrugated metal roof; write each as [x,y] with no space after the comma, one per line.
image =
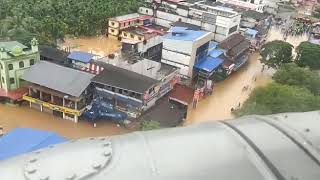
[10,45]
[208,64]
[66,80]
[81,56]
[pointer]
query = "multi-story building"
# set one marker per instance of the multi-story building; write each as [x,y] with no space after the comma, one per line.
[209,15]
[183,48]
[58,90]
[134,88]
[144,41]
[256,5]
[117,24]
[15,59]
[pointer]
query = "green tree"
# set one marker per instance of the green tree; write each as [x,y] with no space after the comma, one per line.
[277,98]
[291,74]
[276,53]
[308,54]
[150,125]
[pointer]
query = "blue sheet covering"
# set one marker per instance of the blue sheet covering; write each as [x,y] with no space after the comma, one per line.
[81,56]
[23,140]
[215,53]
[208,64]
[251,32]
[184,34]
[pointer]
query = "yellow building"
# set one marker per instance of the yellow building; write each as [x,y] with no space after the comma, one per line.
[117,24]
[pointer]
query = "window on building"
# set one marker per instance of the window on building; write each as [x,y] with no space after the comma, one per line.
[21,64]
[138,96]
[1,66]
[233,29]
[31,62]
[125,92]
[10,66]
[132,94]
[112,30]
[125,34]
[120,91]
[138,21]
[140,38]
[11,80]
[113,89]
[147,11]
[2,79]
[112,23]
[132,36]
[252,1]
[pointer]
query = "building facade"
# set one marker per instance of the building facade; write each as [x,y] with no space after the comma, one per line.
[256,5]
[182,48]
[209,15]
[117,24]
[58,90]
[15,59]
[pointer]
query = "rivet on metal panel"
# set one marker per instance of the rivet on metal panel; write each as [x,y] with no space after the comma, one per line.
[32,160]
[107,153]
[96,165]
[71,177]
[107,144]
[30,169]
[44,178]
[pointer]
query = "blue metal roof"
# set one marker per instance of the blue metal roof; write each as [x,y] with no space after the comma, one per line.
[81,56]
[215,53]
[23,140]
[208,64]
[184,34]
[252,32]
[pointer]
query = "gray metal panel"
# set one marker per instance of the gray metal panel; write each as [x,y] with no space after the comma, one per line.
[292,162]
[66,80]
[205,152]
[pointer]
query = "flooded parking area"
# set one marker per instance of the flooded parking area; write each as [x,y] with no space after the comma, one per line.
[99,45]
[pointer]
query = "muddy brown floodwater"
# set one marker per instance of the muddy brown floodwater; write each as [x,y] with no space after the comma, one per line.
[13,117]
[99,45]
[228,93]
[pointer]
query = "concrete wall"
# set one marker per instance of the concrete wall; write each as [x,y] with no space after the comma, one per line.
[176,57]
[184,47]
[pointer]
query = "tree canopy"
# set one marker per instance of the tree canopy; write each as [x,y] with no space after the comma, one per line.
[277,98]
[308,54]
[51,20]
[291,74]
[276,53]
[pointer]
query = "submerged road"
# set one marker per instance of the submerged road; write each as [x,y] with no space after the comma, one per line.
[228,93]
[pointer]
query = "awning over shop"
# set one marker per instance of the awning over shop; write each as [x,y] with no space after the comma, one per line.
[24,140]
[208,64]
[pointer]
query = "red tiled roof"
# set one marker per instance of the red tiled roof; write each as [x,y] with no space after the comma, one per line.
[14,94]
[182,94]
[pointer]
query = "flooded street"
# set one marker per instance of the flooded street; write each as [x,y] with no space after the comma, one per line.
[99,45]
[13,117]
[228,93]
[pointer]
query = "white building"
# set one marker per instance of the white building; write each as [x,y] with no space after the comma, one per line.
[257,5]
[210,16]
[182,48]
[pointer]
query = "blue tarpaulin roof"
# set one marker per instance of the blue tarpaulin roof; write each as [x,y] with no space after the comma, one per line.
[184,34]
[81,56]
[208,63]
[23,140]
[215,53]
[252,32]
